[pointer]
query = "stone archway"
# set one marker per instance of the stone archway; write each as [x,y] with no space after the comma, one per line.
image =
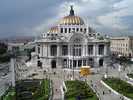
[53,64]
[39,63]
[100,62]
[91,62]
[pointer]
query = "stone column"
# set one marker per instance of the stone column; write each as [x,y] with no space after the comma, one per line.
[72,64]
[84,50]
[86,62]
[87,50]
[67,63]
[82,62]
[96,62]
[36,49]
[76,63]
[105,49]
[96,50]
[49,51]
[58,50]
[42,51]
[69,51]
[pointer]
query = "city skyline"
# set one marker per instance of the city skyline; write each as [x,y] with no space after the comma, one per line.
[27,18]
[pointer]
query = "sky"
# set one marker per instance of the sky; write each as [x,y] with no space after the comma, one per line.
[32,17]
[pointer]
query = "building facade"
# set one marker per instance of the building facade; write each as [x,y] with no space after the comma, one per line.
[122,46]
[72,44]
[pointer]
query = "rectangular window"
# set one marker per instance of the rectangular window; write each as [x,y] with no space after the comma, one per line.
[90,49]
[81,29]
[69,30]
[64,50]
[53,50]
[73,29]
[84,62]
[77,50]
[38,50]
[101,50]
[65,30]
[61,30]
[85,30]
[77,29]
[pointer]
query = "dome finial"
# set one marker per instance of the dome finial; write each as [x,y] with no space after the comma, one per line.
[71,11]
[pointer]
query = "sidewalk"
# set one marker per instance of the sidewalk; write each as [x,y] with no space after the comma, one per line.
[57,88]
[101,90]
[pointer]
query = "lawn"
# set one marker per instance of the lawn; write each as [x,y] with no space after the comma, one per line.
[130,75]
[33,89]
[9,95]
[42,93]
[120,86]
[79,89]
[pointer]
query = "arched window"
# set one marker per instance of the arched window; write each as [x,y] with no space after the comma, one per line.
[101,62]
[38,50]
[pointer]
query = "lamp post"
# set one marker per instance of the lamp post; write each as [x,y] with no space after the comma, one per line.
[13,72]
[119,69]
[73,59]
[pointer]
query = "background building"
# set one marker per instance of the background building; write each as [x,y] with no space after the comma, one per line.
[122,46]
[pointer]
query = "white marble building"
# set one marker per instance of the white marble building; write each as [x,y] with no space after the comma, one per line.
[72,44]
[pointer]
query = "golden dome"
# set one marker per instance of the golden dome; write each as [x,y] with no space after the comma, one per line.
[53,30]
[71,20]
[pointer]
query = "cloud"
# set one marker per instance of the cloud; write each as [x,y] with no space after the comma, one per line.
[114,19]
[35,16]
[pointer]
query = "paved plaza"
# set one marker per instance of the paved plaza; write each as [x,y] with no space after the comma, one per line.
[59,75]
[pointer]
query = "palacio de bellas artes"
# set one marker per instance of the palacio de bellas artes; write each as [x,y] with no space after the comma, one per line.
[71,44]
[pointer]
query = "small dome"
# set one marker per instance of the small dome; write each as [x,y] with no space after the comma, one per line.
[53,30]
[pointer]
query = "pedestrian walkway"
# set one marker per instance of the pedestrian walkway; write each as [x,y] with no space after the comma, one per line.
[101,90]
[57,88]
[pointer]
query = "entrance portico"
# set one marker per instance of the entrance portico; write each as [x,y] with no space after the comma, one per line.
[77,63]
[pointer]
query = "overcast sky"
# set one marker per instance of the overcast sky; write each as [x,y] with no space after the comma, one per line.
[32,17]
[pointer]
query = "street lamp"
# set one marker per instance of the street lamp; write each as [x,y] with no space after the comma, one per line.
[73,60]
